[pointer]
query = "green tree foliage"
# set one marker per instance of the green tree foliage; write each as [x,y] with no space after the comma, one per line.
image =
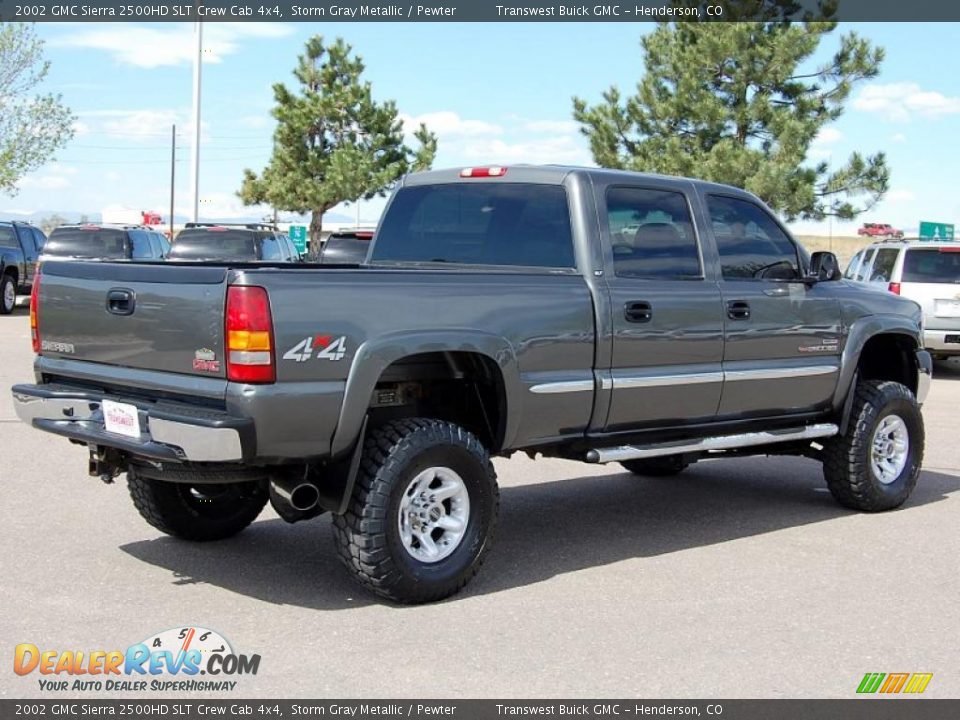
[333,142]
[734,102]
[32,126]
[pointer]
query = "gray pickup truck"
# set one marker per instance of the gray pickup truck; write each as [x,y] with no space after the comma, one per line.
[579,313]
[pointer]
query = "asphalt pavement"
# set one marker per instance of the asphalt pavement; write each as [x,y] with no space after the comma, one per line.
[739,578]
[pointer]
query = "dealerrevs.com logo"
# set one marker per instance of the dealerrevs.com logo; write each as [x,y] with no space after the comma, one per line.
[171,661]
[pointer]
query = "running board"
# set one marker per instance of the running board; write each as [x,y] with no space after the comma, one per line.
[708,444]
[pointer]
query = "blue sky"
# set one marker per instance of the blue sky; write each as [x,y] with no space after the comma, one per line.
[494,93]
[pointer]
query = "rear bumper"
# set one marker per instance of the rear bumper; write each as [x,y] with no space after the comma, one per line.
[169,431]
[936,341]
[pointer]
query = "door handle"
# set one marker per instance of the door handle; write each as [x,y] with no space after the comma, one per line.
[738,310]
[121,301]
[638,311]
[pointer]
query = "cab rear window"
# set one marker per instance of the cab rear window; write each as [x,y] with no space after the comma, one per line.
[514,224]
[931,265]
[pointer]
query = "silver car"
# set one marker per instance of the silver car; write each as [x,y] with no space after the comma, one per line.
[925,272]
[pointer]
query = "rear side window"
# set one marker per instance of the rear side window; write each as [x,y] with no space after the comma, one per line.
[864,269]
[652,234]
[515,224]
[140,248]
[204,244]
[931,265]
[751,244]
[39,239]
[84,242]
[270,249]
[883,265]
[8,237]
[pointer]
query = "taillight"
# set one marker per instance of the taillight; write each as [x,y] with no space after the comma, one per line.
[894,288]
[249,336]
[473,172]
[34,313]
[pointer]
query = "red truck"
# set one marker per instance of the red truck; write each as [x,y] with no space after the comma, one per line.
[880,230]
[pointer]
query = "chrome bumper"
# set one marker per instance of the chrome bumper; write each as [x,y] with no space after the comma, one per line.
[169,431]
[924,375]
[936,340]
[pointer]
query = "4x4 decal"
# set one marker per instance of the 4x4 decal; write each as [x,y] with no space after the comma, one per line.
[326,346]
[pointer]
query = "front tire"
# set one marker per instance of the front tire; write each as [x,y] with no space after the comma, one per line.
[422,513]
[666,466]
[875,464]
[200,512]
[8,294]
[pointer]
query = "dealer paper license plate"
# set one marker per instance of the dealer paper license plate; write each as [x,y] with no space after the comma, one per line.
[121,418]
[948,308]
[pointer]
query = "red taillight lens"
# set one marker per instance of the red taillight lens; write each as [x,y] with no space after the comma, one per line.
[894,288]
[249,336]
[34,313]
[483,172]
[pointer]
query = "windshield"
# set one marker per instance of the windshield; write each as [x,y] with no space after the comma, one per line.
[100,243]
[932,265]
[214,245]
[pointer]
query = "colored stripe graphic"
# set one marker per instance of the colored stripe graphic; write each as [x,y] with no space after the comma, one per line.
[918,682]
[894,683]
[870,682]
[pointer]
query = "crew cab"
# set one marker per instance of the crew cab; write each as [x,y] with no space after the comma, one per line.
[589,314]
[20,245]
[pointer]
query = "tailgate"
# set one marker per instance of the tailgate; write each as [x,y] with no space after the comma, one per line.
[940,303]
[162,317]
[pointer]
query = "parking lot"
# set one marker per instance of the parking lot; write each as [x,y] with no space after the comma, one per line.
[739,578]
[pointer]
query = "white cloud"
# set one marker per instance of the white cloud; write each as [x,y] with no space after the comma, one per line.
[256,122]
[80,128]
[562,150]
[222,206]
[900,195]
[900,102]
[552,126]
[447,123]
[150,47]
[898,138]
[44,182]
[820,147]
[148,125]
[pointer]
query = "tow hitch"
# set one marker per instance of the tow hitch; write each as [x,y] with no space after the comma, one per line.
[105,463]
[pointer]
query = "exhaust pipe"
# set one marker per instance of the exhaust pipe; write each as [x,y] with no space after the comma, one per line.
[294,498]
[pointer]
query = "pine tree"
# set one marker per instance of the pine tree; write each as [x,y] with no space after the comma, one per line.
[333,141]
[32,127]
[728,102]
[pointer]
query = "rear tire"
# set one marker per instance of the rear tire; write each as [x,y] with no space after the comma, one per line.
[8,294]
[422,513]
[665,466]
[875,464]
[200,512]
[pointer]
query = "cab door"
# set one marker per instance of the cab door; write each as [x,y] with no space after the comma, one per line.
[782,335]
[667,318]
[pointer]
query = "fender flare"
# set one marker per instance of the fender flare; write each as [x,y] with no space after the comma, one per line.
[373,357]
[859,333]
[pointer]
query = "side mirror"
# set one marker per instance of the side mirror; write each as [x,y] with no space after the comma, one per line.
[824,266]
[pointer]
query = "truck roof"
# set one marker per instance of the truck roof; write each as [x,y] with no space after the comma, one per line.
[556,174]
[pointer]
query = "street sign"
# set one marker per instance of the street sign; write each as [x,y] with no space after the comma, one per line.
[935,231]
[298,234]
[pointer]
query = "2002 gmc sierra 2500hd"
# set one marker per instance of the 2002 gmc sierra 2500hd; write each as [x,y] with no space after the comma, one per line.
[582,313]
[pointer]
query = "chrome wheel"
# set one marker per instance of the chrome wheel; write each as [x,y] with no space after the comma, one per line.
[889,449]
[434,514]
[9,296]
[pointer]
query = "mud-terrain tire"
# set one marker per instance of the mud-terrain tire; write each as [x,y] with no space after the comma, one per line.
[200,512]
[658,466]
[8,294]
[875,464]
[422,513]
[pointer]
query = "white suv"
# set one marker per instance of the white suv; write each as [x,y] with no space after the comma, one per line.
[927,273]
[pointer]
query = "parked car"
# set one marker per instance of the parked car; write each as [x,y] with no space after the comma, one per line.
[924,271]
[346,247]
[105,242]
[20,245]
[249,242]
[500,310]
[880,230]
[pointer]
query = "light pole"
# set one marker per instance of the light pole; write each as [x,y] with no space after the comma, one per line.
[195,156]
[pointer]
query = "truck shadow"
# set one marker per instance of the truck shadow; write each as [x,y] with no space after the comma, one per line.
[545,529]
[947,369]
